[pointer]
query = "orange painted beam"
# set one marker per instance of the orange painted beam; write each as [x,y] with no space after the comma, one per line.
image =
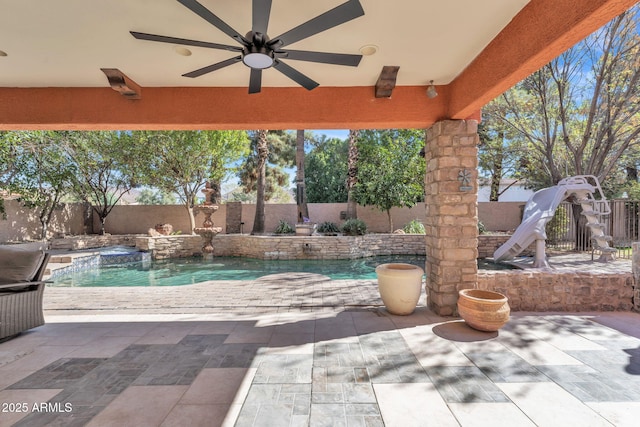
[540,32]
[218,108]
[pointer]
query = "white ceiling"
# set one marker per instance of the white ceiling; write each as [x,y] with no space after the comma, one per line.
[64,43]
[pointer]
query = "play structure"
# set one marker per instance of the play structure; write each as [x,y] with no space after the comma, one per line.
[540,208]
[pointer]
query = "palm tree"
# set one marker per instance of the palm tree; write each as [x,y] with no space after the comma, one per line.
[262,149]
[301,192]
[263,172]
[352,174]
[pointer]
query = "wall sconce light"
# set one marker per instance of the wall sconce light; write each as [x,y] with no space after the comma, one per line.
[431,91]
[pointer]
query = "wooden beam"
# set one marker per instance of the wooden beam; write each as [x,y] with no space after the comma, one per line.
[122,84]
[387,81]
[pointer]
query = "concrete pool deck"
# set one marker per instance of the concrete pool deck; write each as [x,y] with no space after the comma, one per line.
[282,291]
[574,262]
[300,349]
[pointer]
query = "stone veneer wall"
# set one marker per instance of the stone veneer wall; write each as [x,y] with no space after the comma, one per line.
[319,247]
[530,290]
[163,247]
[93,241]
[286,247]
[488,243]
[239,245]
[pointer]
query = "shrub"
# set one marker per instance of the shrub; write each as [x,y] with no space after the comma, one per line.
[414,227]
[284,228]
[328,227]
[354,227]
[481,228]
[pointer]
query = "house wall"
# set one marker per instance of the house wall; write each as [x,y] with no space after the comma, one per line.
[515,193]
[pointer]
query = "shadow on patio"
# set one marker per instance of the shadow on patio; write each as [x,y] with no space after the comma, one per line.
[325,367]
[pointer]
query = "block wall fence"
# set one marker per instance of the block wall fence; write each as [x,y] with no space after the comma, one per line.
[22,224]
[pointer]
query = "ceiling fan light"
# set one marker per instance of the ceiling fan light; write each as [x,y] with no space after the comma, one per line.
[257,60]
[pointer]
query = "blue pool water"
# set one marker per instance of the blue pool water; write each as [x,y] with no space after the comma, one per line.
[184,271]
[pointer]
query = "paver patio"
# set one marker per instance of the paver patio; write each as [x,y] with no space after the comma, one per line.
[311,352]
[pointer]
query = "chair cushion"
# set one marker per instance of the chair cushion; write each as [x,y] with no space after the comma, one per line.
[19,263]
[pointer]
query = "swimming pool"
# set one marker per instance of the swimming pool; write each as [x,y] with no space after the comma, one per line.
[184,271]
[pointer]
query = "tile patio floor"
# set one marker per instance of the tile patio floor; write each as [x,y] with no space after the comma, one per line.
[301,349]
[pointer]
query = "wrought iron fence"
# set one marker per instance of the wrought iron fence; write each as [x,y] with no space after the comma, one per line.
[564,233]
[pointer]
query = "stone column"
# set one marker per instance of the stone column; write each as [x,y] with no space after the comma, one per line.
[451,186]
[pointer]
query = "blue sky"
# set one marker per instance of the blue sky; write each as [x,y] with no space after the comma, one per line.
[333,133]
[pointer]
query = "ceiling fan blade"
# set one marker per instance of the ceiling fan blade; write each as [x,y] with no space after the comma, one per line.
[334,17]
[188,42]
[213,67]
[261,12]
[208,16]
[295,75]
[255,80]
[324,57]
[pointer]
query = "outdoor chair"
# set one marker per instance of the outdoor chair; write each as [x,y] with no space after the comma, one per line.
[21,288]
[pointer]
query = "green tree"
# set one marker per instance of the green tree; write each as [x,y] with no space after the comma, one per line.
[262,150]
[580,113]
[40,173]
[326,171]
[500,152]
[301,190]
[280,154]
[263,171]
[158,197]
[105,168]
[7,157]
[390,169]
[352,174]
[182,162]
[7,168]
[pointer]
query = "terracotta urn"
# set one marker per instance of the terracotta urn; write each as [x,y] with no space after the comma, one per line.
[483,310]
[400,286]
[305,229]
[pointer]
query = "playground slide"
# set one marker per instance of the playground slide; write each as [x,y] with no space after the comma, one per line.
[537,212]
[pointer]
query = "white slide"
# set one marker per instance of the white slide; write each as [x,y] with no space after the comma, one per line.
[540,209]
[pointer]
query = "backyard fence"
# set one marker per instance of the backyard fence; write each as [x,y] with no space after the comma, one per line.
[565,234]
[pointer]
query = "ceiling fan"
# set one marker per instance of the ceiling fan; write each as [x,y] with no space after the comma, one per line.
[259,52]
